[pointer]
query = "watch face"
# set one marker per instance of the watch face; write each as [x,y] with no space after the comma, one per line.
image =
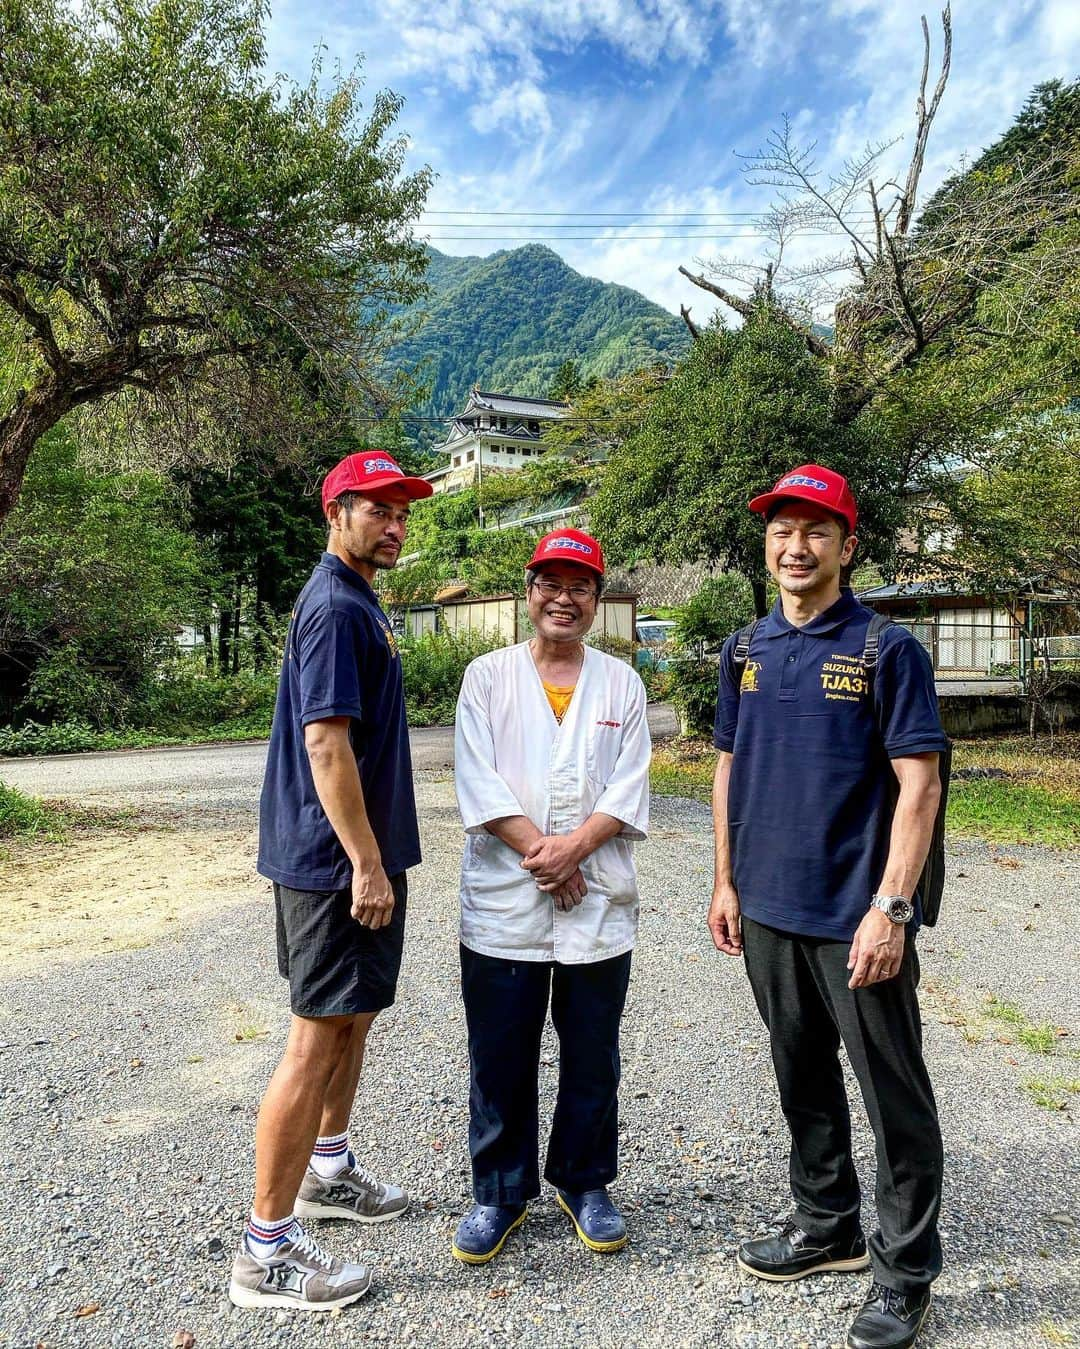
[900,911]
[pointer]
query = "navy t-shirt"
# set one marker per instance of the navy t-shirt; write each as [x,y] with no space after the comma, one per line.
[341,660]
[809,801]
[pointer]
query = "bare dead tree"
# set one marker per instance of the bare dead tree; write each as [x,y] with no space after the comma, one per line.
[894,286]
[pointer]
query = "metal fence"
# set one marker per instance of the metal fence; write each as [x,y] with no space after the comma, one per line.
[998,649]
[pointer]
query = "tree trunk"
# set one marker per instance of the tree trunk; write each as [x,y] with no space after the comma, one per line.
[761,605]
[208,646]
[237,600]
[35,412]
[224,635]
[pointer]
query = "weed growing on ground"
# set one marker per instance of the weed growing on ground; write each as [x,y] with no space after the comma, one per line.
[1052,1093]
[23,816]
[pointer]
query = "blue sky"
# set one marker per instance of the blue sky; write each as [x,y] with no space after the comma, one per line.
[631,106]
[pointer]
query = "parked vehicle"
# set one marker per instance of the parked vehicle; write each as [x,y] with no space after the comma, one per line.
[655,638]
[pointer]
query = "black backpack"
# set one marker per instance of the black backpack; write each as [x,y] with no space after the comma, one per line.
[932,880]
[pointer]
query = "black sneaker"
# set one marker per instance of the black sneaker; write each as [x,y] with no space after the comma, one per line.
[888,1319]
[793,1254]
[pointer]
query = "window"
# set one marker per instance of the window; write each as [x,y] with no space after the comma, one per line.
[457,460]
[470,456]
[976,639]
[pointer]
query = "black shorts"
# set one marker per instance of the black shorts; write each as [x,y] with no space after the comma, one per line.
[336,967]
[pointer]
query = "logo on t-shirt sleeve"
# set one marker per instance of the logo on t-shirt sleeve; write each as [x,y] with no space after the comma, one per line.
[391,640]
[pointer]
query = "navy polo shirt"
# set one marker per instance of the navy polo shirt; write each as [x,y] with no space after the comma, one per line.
[809,803]
[341,660]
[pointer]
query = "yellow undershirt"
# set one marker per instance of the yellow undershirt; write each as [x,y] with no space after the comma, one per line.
[558,698]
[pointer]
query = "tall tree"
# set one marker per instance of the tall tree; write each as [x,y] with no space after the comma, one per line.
[185,248]
[902,283]
[741,409]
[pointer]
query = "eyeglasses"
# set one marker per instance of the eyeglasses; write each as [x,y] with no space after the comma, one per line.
[551,589]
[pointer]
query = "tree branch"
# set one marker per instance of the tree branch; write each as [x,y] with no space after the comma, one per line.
[924,117]
[694,332]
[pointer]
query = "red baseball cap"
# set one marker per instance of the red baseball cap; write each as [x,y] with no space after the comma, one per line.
[811,482]
[368,471]
[568,545]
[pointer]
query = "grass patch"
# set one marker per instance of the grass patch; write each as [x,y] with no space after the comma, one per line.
[1051,1093]
[683,768]
[1054,1333]
[1013,812]
[248,1034]
[1037,801]
[1005,1011]
[1040,1039]
[23,816]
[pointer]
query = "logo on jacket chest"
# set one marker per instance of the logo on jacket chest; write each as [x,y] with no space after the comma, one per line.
[843,679]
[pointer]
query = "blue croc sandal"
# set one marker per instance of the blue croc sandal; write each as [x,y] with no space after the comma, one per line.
[483,1231]
[597,1221]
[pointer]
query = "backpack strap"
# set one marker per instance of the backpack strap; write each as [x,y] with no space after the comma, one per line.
[872,645]
[741,650]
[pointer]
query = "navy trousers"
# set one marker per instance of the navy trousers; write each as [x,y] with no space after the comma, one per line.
[506,1004]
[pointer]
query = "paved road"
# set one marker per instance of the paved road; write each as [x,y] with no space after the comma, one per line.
[233,771]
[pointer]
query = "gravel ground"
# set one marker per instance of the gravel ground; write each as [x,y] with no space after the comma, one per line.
[127,1106]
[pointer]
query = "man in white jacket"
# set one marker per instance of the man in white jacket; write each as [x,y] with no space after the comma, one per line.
[552,773]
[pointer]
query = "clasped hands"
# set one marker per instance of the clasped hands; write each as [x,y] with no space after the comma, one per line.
[555,863]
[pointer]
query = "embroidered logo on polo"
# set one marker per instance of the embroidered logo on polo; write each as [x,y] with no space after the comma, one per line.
[801,480]
[568,545]
[748,683]
[613,724]
[843,679]
[381,466]
[391,640]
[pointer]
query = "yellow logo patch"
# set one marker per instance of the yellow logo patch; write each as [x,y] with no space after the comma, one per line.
[748,683]
[391,640]
[843,679]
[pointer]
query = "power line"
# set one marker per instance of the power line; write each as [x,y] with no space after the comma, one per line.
[626,215]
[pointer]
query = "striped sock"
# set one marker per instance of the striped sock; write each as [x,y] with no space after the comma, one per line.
[263,1238]
[331,1155]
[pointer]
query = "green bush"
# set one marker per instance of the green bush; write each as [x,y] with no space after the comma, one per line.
[693,695]
[723,604]
[620,647]
[26,815]
[433,666]
[185,696]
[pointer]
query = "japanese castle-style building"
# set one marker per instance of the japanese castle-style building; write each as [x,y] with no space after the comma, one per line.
[493,431]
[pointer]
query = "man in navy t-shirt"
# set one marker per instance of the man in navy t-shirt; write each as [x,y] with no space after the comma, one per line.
[337,832]
[824,801]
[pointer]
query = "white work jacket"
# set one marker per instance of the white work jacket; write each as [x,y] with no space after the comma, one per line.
[513,758]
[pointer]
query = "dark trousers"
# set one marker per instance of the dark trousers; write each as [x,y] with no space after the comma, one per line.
[506,1004]
[800,986]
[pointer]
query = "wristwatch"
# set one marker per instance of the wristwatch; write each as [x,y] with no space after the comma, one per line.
[898,909]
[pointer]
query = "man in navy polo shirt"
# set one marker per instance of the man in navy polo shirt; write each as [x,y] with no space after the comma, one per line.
[816,874]
[337,832]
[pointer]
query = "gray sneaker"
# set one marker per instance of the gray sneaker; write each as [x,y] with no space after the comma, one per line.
[353,1193]
[300,1275]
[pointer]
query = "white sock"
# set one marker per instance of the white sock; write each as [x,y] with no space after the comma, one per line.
[331,1155]
[263,1238]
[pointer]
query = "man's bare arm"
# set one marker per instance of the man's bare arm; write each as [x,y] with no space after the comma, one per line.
[878,945]
[337,783]
[725,916]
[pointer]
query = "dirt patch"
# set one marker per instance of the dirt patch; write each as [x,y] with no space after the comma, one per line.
[117,889]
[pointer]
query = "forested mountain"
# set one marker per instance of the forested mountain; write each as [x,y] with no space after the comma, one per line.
[508,321]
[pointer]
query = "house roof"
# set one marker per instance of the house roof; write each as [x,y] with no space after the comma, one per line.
[910,590]
[516,405]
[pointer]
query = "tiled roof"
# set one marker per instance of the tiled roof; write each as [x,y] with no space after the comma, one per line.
[516,406]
